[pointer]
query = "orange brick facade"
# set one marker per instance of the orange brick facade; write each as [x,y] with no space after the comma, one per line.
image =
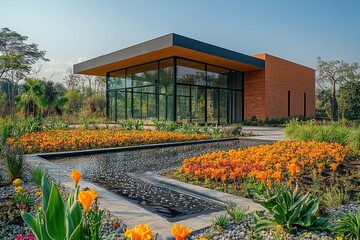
[266,92]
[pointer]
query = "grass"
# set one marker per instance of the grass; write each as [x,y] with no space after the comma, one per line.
[333,132]
[13,162]
[37,173]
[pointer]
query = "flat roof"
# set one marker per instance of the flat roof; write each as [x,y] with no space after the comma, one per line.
[166,46]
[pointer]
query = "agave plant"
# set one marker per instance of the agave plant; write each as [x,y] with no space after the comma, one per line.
[290,209]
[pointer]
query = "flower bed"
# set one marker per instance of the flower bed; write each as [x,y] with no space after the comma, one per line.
[77,139]
[280,162]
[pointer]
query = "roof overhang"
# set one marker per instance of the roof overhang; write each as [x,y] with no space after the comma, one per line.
[169,46]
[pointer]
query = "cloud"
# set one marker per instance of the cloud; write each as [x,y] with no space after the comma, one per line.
[56,70]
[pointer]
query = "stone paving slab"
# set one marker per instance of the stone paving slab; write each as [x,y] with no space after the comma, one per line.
[265,133]
[132,214]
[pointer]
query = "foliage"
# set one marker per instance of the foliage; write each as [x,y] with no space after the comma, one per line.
[165,126]
[349,100]
[333,197]
[58,220]
[265,123]
[53,122]
[221,221]
[336,72]
[279,162]
[236,213]
[13,162]
[349,226]
[333,132]
[37,172]
[291,209]
[354,139]
[216,131]
[78,139]
[33,97]
[6,128]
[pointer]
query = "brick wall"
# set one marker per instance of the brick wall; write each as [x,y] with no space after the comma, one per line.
[266,91]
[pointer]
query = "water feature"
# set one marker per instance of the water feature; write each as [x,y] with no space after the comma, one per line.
[113,171]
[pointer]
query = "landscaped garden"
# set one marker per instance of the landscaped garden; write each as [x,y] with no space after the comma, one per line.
[309,188]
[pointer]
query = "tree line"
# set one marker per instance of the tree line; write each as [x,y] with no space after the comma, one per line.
[23,96]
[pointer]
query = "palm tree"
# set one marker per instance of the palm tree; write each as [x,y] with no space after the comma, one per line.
[34,97]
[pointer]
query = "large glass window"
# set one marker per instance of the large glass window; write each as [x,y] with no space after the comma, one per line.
[204,93]
[190,72]
[143,75]
[117,80]
[217,77]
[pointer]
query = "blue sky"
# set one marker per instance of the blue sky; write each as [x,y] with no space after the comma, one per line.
[72,31]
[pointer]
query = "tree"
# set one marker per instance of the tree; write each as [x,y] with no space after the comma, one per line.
[34,97]
[349,100]
[335,73]
[16,59]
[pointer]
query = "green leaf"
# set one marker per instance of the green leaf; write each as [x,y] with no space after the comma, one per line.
[78,233]
[110,237]
[75,213]
[264,224]
[46,188]
[69,225]
[55,215]
[32,223]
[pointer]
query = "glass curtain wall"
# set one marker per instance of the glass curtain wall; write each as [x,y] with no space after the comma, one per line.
[204,93]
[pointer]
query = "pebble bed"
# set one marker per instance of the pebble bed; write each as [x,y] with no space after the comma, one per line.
[243,231]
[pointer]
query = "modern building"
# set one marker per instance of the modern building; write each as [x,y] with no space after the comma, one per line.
[178,78]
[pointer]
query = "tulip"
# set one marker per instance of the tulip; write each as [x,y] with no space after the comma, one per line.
[76,175]
[86,198]
[180,232]
[140,232]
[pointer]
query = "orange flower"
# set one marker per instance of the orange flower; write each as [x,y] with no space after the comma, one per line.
[180,232]
[139,232]
[277,175]
[333,166]
[76,175]
[86,198]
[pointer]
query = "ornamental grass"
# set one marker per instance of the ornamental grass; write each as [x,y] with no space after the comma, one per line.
[280,162]
[79,139]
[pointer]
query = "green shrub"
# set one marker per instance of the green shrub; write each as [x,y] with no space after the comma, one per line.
[333,197]
[186,127]
[354,139]
[333,132]
[6,128]
[236,213]
[221,221]
[349,226]
[13,162]
[216,131]
[291,209]
[37,173]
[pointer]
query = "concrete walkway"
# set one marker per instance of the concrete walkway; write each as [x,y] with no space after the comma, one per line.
[133,214]
[265,133]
